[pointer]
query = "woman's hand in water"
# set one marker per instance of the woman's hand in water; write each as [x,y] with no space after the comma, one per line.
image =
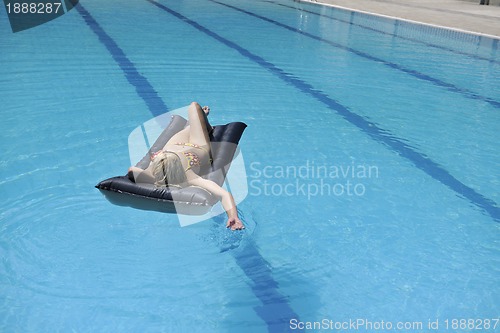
[226,198]
[234,223]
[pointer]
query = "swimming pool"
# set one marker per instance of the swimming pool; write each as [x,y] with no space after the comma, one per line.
[371,154]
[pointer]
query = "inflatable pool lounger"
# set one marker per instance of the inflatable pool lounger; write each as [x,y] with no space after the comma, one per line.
[191,200]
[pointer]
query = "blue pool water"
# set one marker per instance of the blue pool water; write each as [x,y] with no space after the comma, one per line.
[371,155]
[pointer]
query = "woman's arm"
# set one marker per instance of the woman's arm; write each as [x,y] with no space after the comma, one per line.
[226,198]
[139,175]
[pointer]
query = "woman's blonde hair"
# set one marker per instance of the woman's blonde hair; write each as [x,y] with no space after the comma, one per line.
[168,170]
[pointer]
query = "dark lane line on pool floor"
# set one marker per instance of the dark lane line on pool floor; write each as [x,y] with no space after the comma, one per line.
[450,87]
[275,311]
[415,40]
[377,133]
[141,84]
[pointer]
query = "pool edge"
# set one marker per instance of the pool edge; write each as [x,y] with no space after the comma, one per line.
[443,27]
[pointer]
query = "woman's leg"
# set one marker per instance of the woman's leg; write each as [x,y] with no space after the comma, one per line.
[185,134]
[206,111]
[198,133]
[181,136]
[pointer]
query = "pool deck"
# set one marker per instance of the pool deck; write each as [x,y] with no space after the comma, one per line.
[464,15]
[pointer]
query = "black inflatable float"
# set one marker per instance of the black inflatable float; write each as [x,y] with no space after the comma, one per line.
[191,200]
